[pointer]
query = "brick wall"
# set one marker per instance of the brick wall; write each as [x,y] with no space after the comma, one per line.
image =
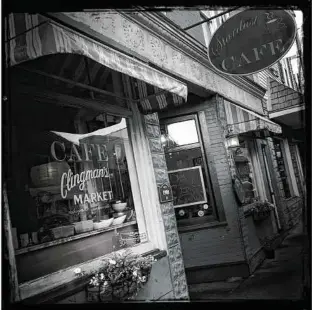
[283,96]
[217,245]
[176,264]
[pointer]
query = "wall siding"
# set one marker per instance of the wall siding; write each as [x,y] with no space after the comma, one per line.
[283,97]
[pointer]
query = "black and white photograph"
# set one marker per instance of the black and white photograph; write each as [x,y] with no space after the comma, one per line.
[156,155]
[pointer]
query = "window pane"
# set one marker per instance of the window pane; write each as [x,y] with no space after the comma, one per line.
[65,189]
[182,133]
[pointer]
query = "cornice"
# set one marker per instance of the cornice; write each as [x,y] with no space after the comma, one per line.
[163,28]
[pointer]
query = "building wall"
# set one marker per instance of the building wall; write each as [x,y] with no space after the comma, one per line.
[217,245]
[149,39]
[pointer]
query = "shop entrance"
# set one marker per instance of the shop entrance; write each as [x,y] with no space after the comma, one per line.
[188,171]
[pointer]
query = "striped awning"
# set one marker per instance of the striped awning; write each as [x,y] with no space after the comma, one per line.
[240,120]
[33,36]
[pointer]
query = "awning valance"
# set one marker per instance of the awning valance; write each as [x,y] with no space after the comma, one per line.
[241,120]
[33,36]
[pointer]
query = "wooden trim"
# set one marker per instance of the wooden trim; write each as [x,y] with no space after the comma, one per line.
[151,211]
[13,279]
[62,99]
[211,166]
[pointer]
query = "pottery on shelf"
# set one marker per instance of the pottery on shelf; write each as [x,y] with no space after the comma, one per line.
[83,226]
[119,206]
[103,224]
[119,220]
[62,231]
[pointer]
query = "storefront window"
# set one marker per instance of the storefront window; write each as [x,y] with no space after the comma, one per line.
[70,180]
[187,171]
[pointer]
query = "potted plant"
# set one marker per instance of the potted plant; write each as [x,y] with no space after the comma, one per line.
[121,277]
[261,210]
[268,246]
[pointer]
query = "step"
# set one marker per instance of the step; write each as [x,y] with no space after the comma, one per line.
[213,287]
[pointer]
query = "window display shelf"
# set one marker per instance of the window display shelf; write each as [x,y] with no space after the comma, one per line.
[72,238]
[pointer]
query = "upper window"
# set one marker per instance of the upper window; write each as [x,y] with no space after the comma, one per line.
[187,168]
[70,190]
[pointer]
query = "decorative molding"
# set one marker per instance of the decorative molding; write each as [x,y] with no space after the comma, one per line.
[164,52]
[157,24]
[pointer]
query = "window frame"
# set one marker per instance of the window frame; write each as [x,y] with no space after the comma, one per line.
[145,186]
[193,116]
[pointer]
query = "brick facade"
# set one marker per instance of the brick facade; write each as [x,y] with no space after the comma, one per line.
[178,277]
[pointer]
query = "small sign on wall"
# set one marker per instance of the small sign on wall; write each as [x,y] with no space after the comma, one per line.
[165,193]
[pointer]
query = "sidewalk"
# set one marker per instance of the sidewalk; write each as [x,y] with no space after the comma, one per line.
[279,278]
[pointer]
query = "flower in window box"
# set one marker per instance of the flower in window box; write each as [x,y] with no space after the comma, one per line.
[122,275]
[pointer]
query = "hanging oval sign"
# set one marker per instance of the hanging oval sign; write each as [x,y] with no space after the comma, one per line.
[251,41]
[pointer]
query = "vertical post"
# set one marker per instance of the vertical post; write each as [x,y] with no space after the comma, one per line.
[13,280]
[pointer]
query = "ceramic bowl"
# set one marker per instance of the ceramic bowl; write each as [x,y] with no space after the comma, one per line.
[119,207]
[103,224]
[119,220]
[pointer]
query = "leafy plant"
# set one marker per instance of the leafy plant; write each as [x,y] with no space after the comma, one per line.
[261,207]
[122,275]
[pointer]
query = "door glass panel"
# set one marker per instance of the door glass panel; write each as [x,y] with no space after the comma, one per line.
[183,152]
[182,133]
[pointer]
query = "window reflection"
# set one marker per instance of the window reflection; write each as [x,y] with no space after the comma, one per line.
[71,183]
[181,133]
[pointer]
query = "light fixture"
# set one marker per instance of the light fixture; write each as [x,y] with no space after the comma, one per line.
[232,141]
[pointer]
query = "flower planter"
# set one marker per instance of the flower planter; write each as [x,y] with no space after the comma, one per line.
[121,277]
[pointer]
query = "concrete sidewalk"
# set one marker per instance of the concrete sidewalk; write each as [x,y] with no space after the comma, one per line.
[279,278]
